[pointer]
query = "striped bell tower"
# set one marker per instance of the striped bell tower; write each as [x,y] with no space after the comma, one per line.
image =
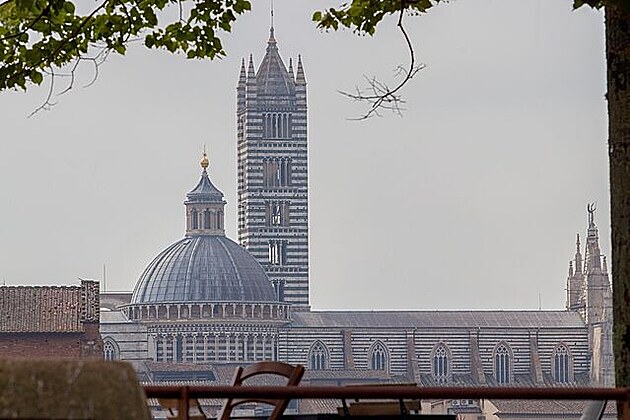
[272,152]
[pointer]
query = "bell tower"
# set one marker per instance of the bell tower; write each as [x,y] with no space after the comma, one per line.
[272,152]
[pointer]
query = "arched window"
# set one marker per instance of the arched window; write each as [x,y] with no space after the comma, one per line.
[318,356]
[194,219]
[110,349]
[276,214]
[206,219]
[502,364]
[561,364]
[219,224]
[379,357]
[441,363]
[274,125]
[265,125]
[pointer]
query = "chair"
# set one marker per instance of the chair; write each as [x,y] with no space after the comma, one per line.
[78,389]
[292,373]
[173,404]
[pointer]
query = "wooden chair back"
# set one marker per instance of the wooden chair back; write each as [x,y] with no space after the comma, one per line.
[172,405]
[292,373]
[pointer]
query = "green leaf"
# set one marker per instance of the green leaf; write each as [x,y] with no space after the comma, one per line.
[36,77]
[120,49]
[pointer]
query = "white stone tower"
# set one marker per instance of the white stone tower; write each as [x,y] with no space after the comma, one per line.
[272,158]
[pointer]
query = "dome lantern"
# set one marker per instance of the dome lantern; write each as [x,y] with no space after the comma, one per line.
[205,207]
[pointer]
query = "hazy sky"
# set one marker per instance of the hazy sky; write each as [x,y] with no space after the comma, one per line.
[471,200]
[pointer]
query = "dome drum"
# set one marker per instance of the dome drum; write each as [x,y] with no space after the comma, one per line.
[198,311]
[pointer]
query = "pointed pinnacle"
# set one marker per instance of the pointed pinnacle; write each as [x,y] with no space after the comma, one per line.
[299,78]
[250,69]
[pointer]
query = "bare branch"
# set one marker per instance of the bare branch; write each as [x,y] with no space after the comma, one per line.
[378,94]
[71,84]
[47,104]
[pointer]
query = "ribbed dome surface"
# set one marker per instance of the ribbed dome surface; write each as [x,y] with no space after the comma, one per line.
[205,268]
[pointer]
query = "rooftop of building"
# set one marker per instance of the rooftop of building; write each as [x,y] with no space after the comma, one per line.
[438,319]
[48,309]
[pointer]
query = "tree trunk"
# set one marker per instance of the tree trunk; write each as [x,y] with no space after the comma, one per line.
[618,58]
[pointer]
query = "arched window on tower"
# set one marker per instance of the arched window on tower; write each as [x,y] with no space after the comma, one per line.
[265,125]
[274,126]
[502,363]
[379,357]
[110,349]
[318,356]
[290,125]
[441,363]
[561,365]
[276,214]
[277,252]
[285,172]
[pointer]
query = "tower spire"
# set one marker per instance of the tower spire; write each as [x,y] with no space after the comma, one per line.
[272,38]
[578,255]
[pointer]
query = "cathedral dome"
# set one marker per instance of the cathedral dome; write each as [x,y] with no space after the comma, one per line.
[204,268]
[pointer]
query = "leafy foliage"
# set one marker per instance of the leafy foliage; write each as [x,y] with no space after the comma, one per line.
[363,16]
[37,36]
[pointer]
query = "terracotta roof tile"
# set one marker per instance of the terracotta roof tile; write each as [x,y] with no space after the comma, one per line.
[37,309]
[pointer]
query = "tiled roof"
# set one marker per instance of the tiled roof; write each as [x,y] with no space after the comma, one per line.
[347,374]
[581,380]
[565,408]
[205,191]
[319,406]
[438,319]
[40,309]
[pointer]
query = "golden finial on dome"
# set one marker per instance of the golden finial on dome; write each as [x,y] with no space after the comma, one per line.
[204,159]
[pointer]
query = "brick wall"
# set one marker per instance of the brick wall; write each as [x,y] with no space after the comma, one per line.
[41,345]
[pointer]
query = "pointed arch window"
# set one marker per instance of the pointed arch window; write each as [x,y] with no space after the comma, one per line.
[441,363]
[562,364]
[110,349]
[379,357]
[502,364]
[318,356]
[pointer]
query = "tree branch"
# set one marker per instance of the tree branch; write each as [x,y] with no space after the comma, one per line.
[379,96]
[46,104]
